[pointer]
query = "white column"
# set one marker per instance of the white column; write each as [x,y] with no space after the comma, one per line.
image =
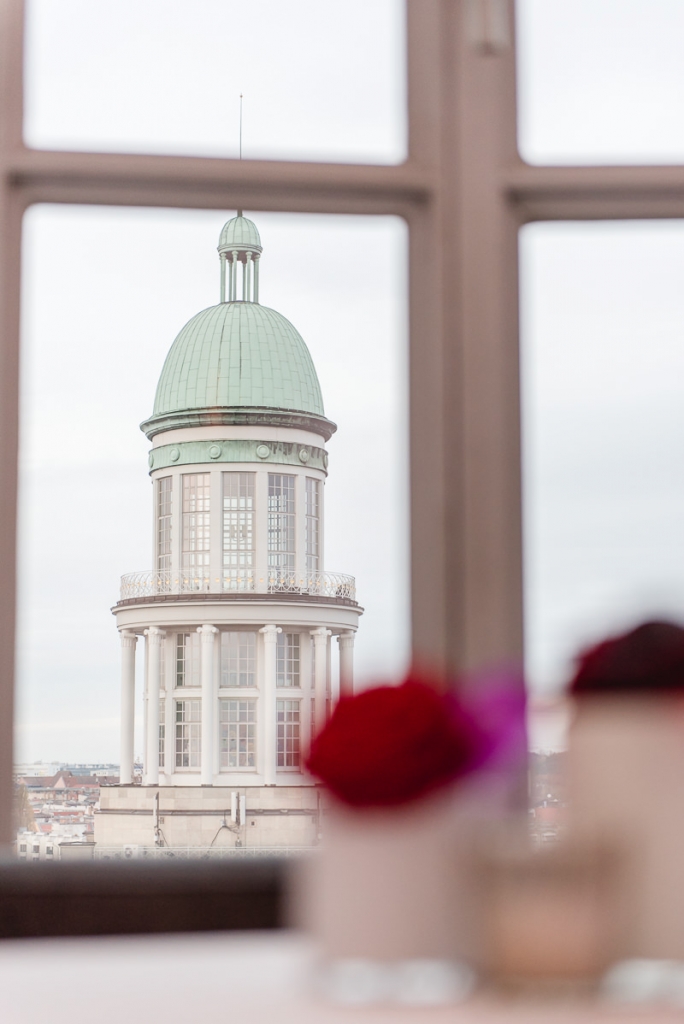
[223,277]
[346,642]
[268,702]
[128,643]
[155,638]
[320,660]
[207,638]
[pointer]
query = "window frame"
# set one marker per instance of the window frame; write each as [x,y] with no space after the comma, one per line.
[464,193]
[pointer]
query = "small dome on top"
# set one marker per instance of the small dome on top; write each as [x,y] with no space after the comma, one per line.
[240,233]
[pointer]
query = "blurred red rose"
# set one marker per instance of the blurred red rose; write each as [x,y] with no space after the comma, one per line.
[393,744]
[647,659]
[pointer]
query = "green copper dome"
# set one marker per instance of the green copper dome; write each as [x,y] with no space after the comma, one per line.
[239,362]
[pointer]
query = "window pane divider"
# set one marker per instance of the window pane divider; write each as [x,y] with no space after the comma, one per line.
[464,193]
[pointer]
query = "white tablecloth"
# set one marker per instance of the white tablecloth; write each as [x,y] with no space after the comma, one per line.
[246,978]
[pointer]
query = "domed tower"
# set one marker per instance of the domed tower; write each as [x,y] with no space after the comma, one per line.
[238,612]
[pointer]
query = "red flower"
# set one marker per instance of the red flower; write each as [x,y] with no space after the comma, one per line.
[647,659]
[393,744]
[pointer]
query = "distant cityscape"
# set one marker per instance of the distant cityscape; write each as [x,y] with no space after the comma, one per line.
[57,802]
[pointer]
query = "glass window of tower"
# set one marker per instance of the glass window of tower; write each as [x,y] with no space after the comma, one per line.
[238,659]
[238,734]
[287,659]
[281,521]
[238,531]
[164,492]
[196,522]
[187,659]
[188,733]
[287,712]
[313,520]
[162,733]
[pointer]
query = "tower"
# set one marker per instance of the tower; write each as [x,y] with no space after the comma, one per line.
[238,613]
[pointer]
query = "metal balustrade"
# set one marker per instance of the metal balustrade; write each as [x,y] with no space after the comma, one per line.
[156,583]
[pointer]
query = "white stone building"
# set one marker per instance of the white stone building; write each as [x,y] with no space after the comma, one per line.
[238,614]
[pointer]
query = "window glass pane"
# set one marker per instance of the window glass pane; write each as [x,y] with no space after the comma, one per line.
[196,528]
[238,659]
[164,495]
[88,380]
[601,81]
[187,659]
[287,716]
[188,733]
[313,524]
[281,521]
[320,81]
[238,734]
[287,659]
[239,542]
[603,361]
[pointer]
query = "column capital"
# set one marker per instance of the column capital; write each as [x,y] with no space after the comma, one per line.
[346,639]
[320,635]
[155,635]
[270,633]
[128,639]
[207,633]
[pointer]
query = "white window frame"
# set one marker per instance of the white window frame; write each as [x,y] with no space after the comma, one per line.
[241,705]
[288,660]
[312,511]
[464,193]
[245,658]
[290,729]
[164,524]
[190,733]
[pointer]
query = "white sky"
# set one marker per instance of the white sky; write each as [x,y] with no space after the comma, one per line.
[106,291]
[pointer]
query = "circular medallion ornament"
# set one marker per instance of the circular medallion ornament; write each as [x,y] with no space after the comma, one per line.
[150,460]
[174,454]
[214,451]
[304,455]
[263,451]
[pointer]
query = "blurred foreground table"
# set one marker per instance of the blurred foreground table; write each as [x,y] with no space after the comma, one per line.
[249,977]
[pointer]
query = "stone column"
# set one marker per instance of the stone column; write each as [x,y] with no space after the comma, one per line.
[320,660]
[155,638]
[207,639]
[223,277]
[268,702]
[128,643]
[346,642]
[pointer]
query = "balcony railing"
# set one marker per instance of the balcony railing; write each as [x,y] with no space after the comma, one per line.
[156,583]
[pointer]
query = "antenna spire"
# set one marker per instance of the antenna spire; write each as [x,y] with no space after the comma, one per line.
[239,213]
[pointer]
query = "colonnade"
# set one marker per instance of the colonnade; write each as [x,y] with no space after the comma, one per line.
[209,669]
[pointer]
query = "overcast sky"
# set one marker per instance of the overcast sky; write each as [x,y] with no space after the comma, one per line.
[106,291]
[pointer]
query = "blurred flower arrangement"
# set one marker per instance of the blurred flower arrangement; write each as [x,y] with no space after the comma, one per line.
[392,745]
[649,658]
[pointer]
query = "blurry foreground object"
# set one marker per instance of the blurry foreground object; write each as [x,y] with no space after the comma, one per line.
[549,918]
[412,773]
[626,778]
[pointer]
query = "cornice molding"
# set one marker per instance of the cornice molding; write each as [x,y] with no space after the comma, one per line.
[238,417]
